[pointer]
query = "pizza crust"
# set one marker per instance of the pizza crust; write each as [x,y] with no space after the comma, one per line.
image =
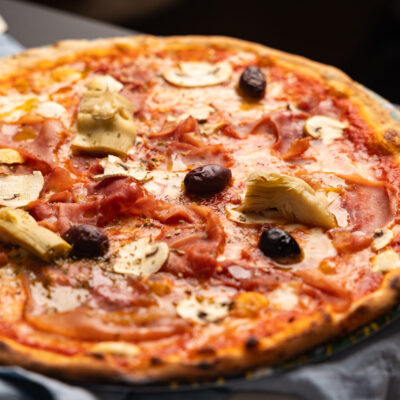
[388,131]
[298,336]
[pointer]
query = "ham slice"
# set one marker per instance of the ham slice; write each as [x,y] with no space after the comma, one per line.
[85,324]
[194,248]
[321,286]
[369,207]
[187,131]
[35,140]
[195,156]
[288,127]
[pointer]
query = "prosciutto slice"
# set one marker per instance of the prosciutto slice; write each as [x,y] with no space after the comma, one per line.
[37,141]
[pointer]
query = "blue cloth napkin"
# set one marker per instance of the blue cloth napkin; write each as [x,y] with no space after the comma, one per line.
[9,46]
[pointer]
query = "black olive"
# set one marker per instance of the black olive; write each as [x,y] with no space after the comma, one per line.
[280,246]
[252,83]
[207,180]
[87,241]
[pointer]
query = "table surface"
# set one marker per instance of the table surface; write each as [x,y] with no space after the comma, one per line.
[35,25]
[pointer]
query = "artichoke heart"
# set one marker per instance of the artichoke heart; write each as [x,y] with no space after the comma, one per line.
[105,122]
[278,195]
[20,190]
[18,227]
[141,258]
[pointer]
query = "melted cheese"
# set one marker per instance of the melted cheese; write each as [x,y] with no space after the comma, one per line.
[203,310]
[165,184]
[58,298]
[116,348]
[284,297]
[50,109]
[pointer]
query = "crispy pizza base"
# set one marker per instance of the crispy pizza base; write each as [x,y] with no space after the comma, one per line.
[298,336]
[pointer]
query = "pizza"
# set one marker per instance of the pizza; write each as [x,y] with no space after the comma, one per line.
[186,207]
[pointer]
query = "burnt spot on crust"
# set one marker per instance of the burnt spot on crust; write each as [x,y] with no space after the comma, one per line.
[5,348]
[395,283]
[99,356]
[392,137]
[265,61]
[251,343]
[206,365]
[206,351]
[156,361]
[357,318]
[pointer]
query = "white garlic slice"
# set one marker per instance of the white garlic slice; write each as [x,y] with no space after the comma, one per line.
[197,74]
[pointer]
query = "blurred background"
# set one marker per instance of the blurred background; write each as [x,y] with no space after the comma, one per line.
[361,37]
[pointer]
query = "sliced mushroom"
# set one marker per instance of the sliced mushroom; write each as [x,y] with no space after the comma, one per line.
[141,258]
[325,128]
[10,156]
[196,74]
[202,310]
[20,190]
[250,218]
[105,122]
[116,348]
[113,166]
[278,195]
[386,261]
[382,237]
[18,227]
